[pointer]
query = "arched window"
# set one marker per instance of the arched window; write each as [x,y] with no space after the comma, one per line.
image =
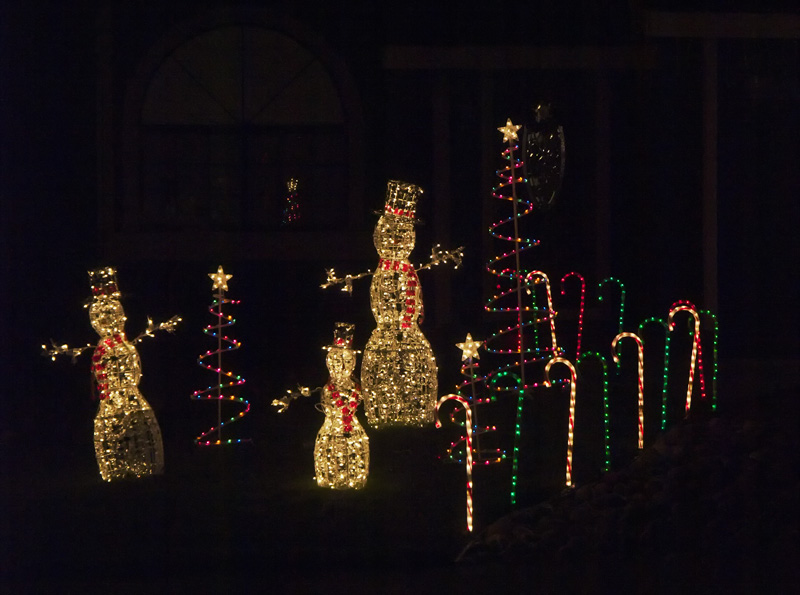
[222,114]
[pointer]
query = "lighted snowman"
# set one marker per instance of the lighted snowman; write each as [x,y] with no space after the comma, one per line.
[341,451]
[398,372]
[127,438]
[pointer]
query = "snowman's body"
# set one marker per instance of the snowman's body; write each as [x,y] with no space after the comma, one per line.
[341,451]
[398,371]
[127,438]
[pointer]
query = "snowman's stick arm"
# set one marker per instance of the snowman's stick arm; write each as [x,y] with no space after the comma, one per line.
[168,325]
[347,280]
[55,350]
[291,395]
[439,256]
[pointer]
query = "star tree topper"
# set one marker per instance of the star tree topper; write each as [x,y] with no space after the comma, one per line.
[469,348]
[220,279]
[509,131]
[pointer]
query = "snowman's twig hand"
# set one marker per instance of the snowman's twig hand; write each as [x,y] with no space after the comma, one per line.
[439,256]
[291,395]
[347,280]
[55,350]
[168,325]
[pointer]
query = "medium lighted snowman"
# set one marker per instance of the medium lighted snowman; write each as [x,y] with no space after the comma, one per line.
[398,372]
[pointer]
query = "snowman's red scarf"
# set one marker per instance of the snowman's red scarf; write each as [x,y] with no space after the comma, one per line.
[98,368]
[412,282]
[346,404]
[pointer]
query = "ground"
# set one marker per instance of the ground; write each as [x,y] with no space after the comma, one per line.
[710,507]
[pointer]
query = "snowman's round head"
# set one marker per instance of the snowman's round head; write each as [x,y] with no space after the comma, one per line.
[394,237]
[107,316]
[341,363]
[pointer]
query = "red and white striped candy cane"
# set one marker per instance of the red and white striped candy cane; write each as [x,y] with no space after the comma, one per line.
[468,411]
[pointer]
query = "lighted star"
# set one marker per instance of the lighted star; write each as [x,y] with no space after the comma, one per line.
[509,131]
[469,348]
[220,279]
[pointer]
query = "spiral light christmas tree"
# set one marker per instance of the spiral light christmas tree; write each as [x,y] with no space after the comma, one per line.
[127,438]
[469,389]
[341,451]
[399,370]
[212,360]
[515,287]
[291,208]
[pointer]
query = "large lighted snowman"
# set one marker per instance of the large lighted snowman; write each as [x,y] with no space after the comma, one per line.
[398,372]
[127,438]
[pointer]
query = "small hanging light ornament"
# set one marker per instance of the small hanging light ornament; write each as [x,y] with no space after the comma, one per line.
[127,438]
[341,451]
[291,208]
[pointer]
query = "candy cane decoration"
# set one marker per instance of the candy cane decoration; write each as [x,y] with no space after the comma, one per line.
[571,428]
[636,338]
[606,421]
[715,353]
[700,370]
[580,312]
[621,296]
[664,383]
[468,411]
[697,353]
[535,275]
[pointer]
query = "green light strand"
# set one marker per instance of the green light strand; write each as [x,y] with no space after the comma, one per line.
[621,297]
[714,375]
[517,431]
[665,381]
[606,421]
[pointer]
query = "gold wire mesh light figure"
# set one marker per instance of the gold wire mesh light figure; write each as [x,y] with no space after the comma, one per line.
[341,451]
[127,438]
[398,370]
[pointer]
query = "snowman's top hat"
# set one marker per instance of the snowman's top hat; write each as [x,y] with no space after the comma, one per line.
[342,336]
[401,199]
[104,283]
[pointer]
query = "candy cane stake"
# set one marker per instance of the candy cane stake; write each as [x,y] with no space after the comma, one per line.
[696,349]
[636,338]
[606,421]
[580,312]
[664,383]
[715,368]
[621,296]
[571,428]
[468,411]
[551,312]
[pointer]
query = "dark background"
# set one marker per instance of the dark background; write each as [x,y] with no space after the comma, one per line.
[71,75]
